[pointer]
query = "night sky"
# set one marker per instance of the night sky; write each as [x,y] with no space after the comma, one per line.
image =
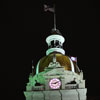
[24,27]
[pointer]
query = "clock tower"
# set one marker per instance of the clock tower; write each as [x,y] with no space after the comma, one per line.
[57,76]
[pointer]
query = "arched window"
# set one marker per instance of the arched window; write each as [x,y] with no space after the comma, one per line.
[52,43]
[57,43]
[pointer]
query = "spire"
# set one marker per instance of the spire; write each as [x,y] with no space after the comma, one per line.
[54,18]
[56,40]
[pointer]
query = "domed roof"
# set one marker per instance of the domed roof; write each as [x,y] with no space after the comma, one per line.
[64,61]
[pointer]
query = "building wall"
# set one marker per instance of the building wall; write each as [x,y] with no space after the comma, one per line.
[73,94]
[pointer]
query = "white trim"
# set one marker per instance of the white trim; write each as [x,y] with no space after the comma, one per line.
[72,65]
[55,50]
[55,37]
[37,68]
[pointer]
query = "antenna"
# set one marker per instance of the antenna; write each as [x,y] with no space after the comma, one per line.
[32,68]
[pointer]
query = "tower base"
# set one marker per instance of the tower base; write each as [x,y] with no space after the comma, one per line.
[73,94]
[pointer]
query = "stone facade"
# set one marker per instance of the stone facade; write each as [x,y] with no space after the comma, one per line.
[72,94]
[67,91]
[57,76]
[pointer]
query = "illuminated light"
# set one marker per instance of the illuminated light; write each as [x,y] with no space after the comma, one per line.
[54,83]
[72,65]
[37,68]
[74,59]
[55,50]
[55,37]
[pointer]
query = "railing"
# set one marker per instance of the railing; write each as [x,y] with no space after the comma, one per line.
[38,88]
[71,86]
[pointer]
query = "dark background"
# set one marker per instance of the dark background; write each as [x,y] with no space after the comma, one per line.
[24,28]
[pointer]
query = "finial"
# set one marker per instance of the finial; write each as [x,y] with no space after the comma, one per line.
[53,31]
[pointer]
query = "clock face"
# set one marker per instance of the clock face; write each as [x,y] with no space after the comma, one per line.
[55,83]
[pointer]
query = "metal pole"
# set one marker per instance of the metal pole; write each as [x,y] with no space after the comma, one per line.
[54,18]
[32,68]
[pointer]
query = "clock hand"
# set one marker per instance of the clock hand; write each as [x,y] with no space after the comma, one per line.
[55,82]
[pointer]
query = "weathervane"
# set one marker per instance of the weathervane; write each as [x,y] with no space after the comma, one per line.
[51,9]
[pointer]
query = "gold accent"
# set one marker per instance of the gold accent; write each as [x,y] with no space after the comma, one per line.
[62,59]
